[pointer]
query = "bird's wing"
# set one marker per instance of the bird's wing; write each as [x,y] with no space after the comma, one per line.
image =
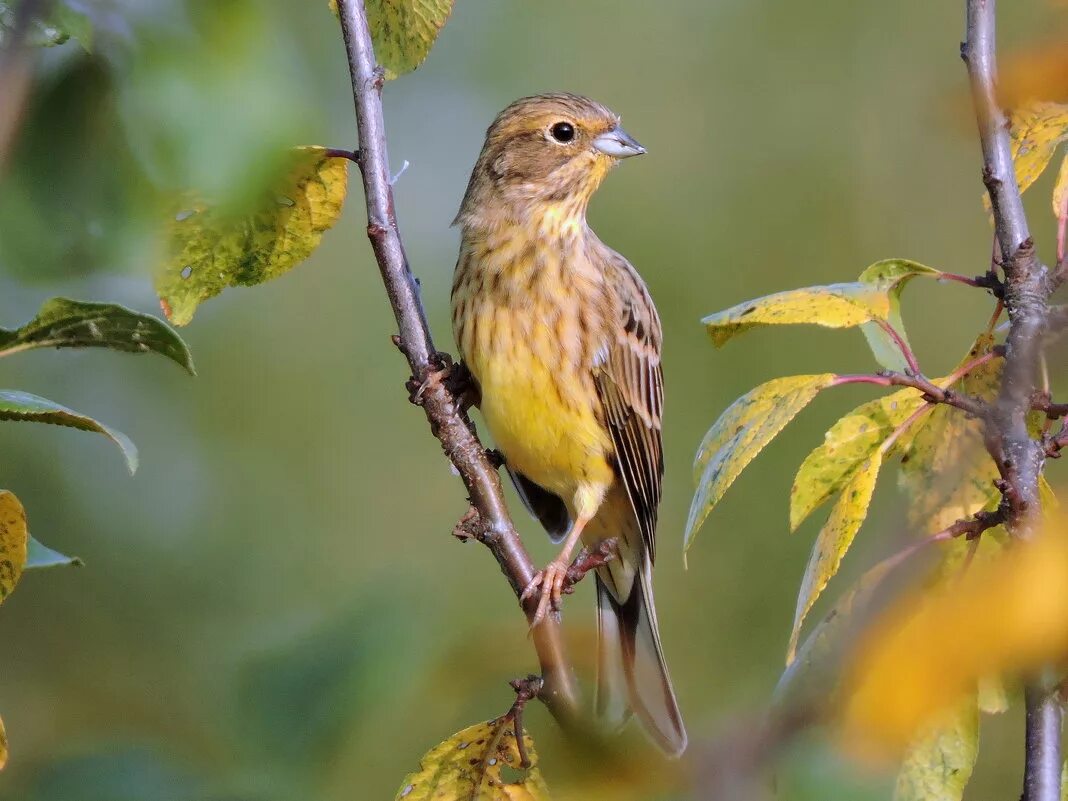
[547,507]
[630,385]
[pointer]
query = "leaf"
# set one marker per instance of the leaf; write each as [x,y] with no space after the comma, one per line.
[15,405]
[834,540]
[13,537]
[468,767]
[40,556]
[403,31]
[64,323]
[938,765]
[1005,616]
[1037,130]
[832,306]
[847,444]
[741,432]
[3,746]
[211,250]
[1060,191]
[61,24]
[891,275]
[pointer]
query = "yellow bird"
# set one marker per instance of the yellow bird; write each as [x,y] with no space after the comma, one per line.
[563,340]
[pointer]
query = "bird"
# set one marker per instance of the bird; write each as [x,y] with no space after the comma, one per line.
[562,341]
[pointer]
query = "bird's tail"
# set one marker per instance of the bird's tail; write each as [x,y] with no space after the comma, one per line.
[631,673]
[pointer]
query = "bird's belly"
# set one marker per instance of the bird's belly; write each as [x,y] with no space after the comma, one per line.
[541,410]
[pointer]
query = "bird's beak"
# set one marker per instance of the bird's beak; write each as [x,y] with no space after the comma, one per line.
[618,144]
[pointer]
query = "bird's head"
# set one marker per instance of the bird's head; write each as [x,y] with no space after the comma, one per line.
[545,152]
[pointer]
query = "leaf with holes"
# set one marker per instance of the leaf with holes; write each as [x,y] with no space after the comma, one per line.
[846,446]
[834,540]
[472,765]
[210,250]
[741,432]
[939,763]
[891,275]
[63,323]
[13,542]
[16,405]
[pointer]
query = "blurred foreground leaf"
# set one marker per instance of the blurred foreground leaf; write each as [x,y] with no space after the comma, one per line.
[13,542]
[1005,616]
[63,21]
[64,323]
[939,764]
[15,405]
[40,556]
[471,765]
[210,250]
[741,432]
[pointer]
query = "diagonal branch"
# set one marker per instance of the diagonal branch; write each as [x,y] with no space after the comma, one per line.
[491,523]
[1027,289]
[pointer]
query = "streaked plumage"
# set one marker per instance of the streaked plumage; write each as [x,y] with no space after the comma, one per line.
[563,339]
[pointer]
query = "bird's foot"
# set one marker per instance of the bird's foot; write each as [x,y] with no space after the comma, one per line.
[590,559]
[548,585]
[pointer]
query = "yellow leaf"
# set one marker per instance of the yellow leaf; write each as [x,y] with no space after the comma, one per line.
[846,445]
[1037,130]
[1006,616]
[3,746]
[210,251]
[403,31]
[834,540]
[13,542]
[832,306]
[938,765]
[469,767]
[1060,192]
[741,432]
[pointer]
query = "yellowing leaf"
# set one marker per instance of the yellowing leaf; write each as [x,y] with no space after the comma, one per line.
[1006,616]
[741,432]
[938,765]
[403,31]
[847,444]
[13,542]
[834,540]
[210,251]
[1037,130]
[891,275]
[469,767]
[1060,192]
[3,746]
[832,306]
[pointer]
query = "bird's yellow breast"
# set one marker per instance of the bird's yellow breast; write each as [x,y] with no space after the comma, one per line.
[528,332]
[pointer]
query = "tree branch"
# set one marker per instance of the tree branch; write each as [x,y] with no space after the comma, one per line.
[490,523]
[1027,289]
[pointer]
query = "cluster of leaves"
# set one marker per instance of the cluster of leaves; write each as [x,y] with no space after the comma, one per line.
[919,666]
[63,323]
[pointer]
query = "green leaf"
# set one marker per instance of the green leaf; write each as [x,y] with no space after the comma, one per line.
[13,544]
[15,405]
[834,540]
[891,276]
[210,250]
[469,767]
[64,323]
[741,432]
[832,306]
[403,31]
[848,443]
[939,764]
[40,556]
[62,22]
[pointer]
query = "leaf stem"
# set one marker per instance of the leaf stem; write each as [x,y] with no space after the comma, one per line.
[902,345]
[429,368]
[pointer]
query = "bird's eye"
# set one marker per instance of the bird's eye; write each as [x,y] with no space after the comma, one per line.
[563,131]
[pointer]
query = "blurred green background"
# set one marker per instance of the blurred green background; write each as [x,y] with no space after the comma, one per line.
[273,607]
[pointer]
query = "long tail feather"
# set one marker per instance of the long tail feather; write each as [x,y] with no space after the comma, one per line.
[632,674]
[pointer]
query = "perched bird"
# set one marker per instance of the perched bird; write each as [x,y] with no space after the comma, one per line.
[562,338]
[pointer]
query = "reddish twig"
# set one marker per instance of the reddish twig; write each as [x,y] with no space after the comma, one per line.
[902,345]
[488,521]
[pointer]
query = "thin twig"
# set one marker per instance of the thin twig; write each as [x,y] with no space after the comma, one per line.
[933,393]
[902,345]
[1027,288]
[491,523]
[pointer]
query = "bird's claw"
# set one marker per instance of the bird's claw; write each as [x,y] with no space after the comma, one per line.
[548,584]
[589,559]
